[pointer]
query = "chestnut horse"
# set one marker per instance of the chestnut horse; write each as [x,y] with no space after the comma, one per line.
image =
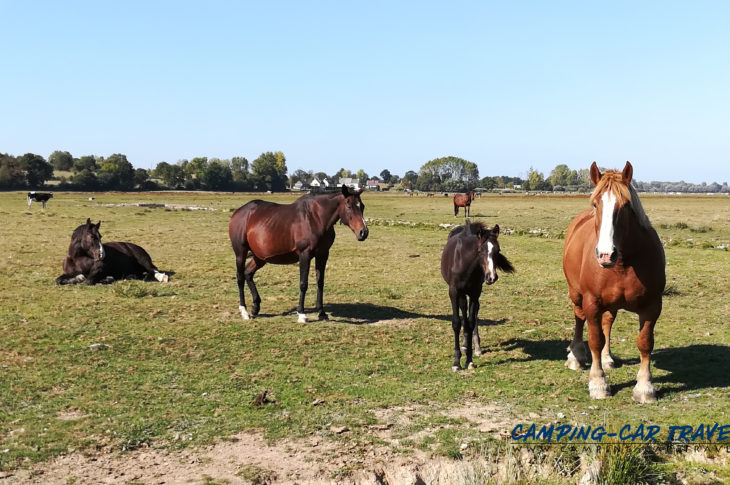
[286,234]
[613,259]
[470,258]
[463,200]
[91,261]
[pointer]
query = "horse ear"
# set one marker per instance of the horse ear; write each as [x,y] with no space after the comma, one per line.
[345,192]
[495,230]
[88,221]
[628,173]
[362,189]
[98,224]
[595,174]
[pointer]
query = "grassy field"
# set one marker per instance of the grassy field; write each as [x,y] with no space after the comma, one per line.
[172,365]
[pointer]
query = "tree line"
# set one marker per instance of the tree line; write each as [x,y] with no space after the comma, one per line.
[269,172]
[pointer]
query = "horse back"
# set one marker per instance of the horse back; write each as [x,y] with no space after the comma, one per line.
[459,266]
[124,258]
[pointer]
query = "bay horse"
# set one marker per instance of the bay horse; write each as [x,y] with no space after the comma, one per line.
[95,262]
[613,259]
[470,258]
[463,200]
[290,233]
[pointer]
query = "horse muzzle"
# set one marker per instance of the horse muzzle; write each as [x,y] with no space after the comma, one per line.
[607,260]
[490,280]
[362,234]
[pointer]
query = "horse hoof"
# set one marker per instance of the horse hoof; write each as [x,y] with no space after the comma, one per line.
[573,364]
[608,364]
[471,366]
[455,368]
[244,313]
[323,316]
[598,389]
[477,351]
[302,318]
[644,394]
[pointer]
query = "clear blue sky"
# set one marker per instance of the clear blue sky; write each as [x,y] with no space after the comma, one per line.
[374,85]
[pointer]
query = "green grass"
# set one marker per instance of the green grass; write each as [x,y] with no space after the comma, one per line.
[172,365]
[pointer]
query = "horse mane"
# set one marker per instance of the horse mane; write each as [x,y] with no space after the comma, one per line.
[625,193]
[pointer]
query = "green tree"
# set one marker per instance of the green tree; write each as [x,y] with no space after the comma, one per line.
[385,176]
[140,176]
[61,161]
[362,177]
[218,175]
[87,162]
[37,169]
[269,171]
[11,175]
[239,168]
[536,181]
[115,172]
[453,172]
[173,176]
[409,179]
[195,170]
[560,175]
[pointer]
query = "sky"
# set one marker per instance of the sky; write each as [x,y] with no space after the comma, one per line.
[374,85]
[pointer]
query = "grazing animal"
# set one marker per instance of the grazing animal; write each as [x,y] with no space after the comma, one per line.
[470,258]
[91,261]
[291,233]
[613,259]
[41,197]
[463,200]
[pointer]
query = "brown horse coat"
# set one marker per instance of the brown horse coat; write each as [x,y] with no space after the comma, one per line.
[613,259]
[289,233]
[463,200]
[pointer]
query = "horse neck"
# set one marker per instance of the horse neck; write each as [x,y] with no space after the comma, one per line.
[329,214]
[77,251]
[635,238]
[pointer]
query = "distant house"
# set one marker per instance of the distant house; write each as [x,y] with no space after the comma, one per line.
[349,182]
[320,184]
[372,184]
[299,186]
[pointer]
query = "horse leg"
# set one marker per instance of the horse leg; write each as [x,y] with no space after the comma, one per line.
[240,280]
[644,390]
[320,264]
[254,265]
[304,264]
[456,326]
[456,210]
[577,351]
[597,385]
[474,312]
[607,360]
[469,323]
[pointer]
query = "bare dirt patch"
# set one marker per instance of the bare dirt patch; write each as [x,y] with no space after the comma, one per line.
[249,458]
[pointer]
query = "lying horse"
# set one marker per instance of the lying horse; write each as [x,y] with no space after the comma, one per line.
[463,200]
[41,197]
[471,257]
[613,259]
[91,261]
[286,234]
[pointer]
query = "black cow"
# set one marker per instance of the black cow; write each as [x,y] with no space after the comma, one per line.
[41,197]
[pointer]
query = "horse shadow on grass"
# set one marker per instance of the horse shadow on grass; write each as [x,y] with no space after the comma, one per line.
[368,313]
[690,368]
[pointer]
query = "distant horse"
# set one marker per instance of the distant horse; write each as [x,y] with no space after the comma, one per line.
[463,200]
[41,197]
[286,234]
[613,259]
[91,261]
[471,257]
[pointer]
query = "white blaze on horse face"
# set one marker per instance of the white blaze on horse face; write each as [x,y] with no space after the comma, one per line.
[605,232]
[101,251]
[490,261]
